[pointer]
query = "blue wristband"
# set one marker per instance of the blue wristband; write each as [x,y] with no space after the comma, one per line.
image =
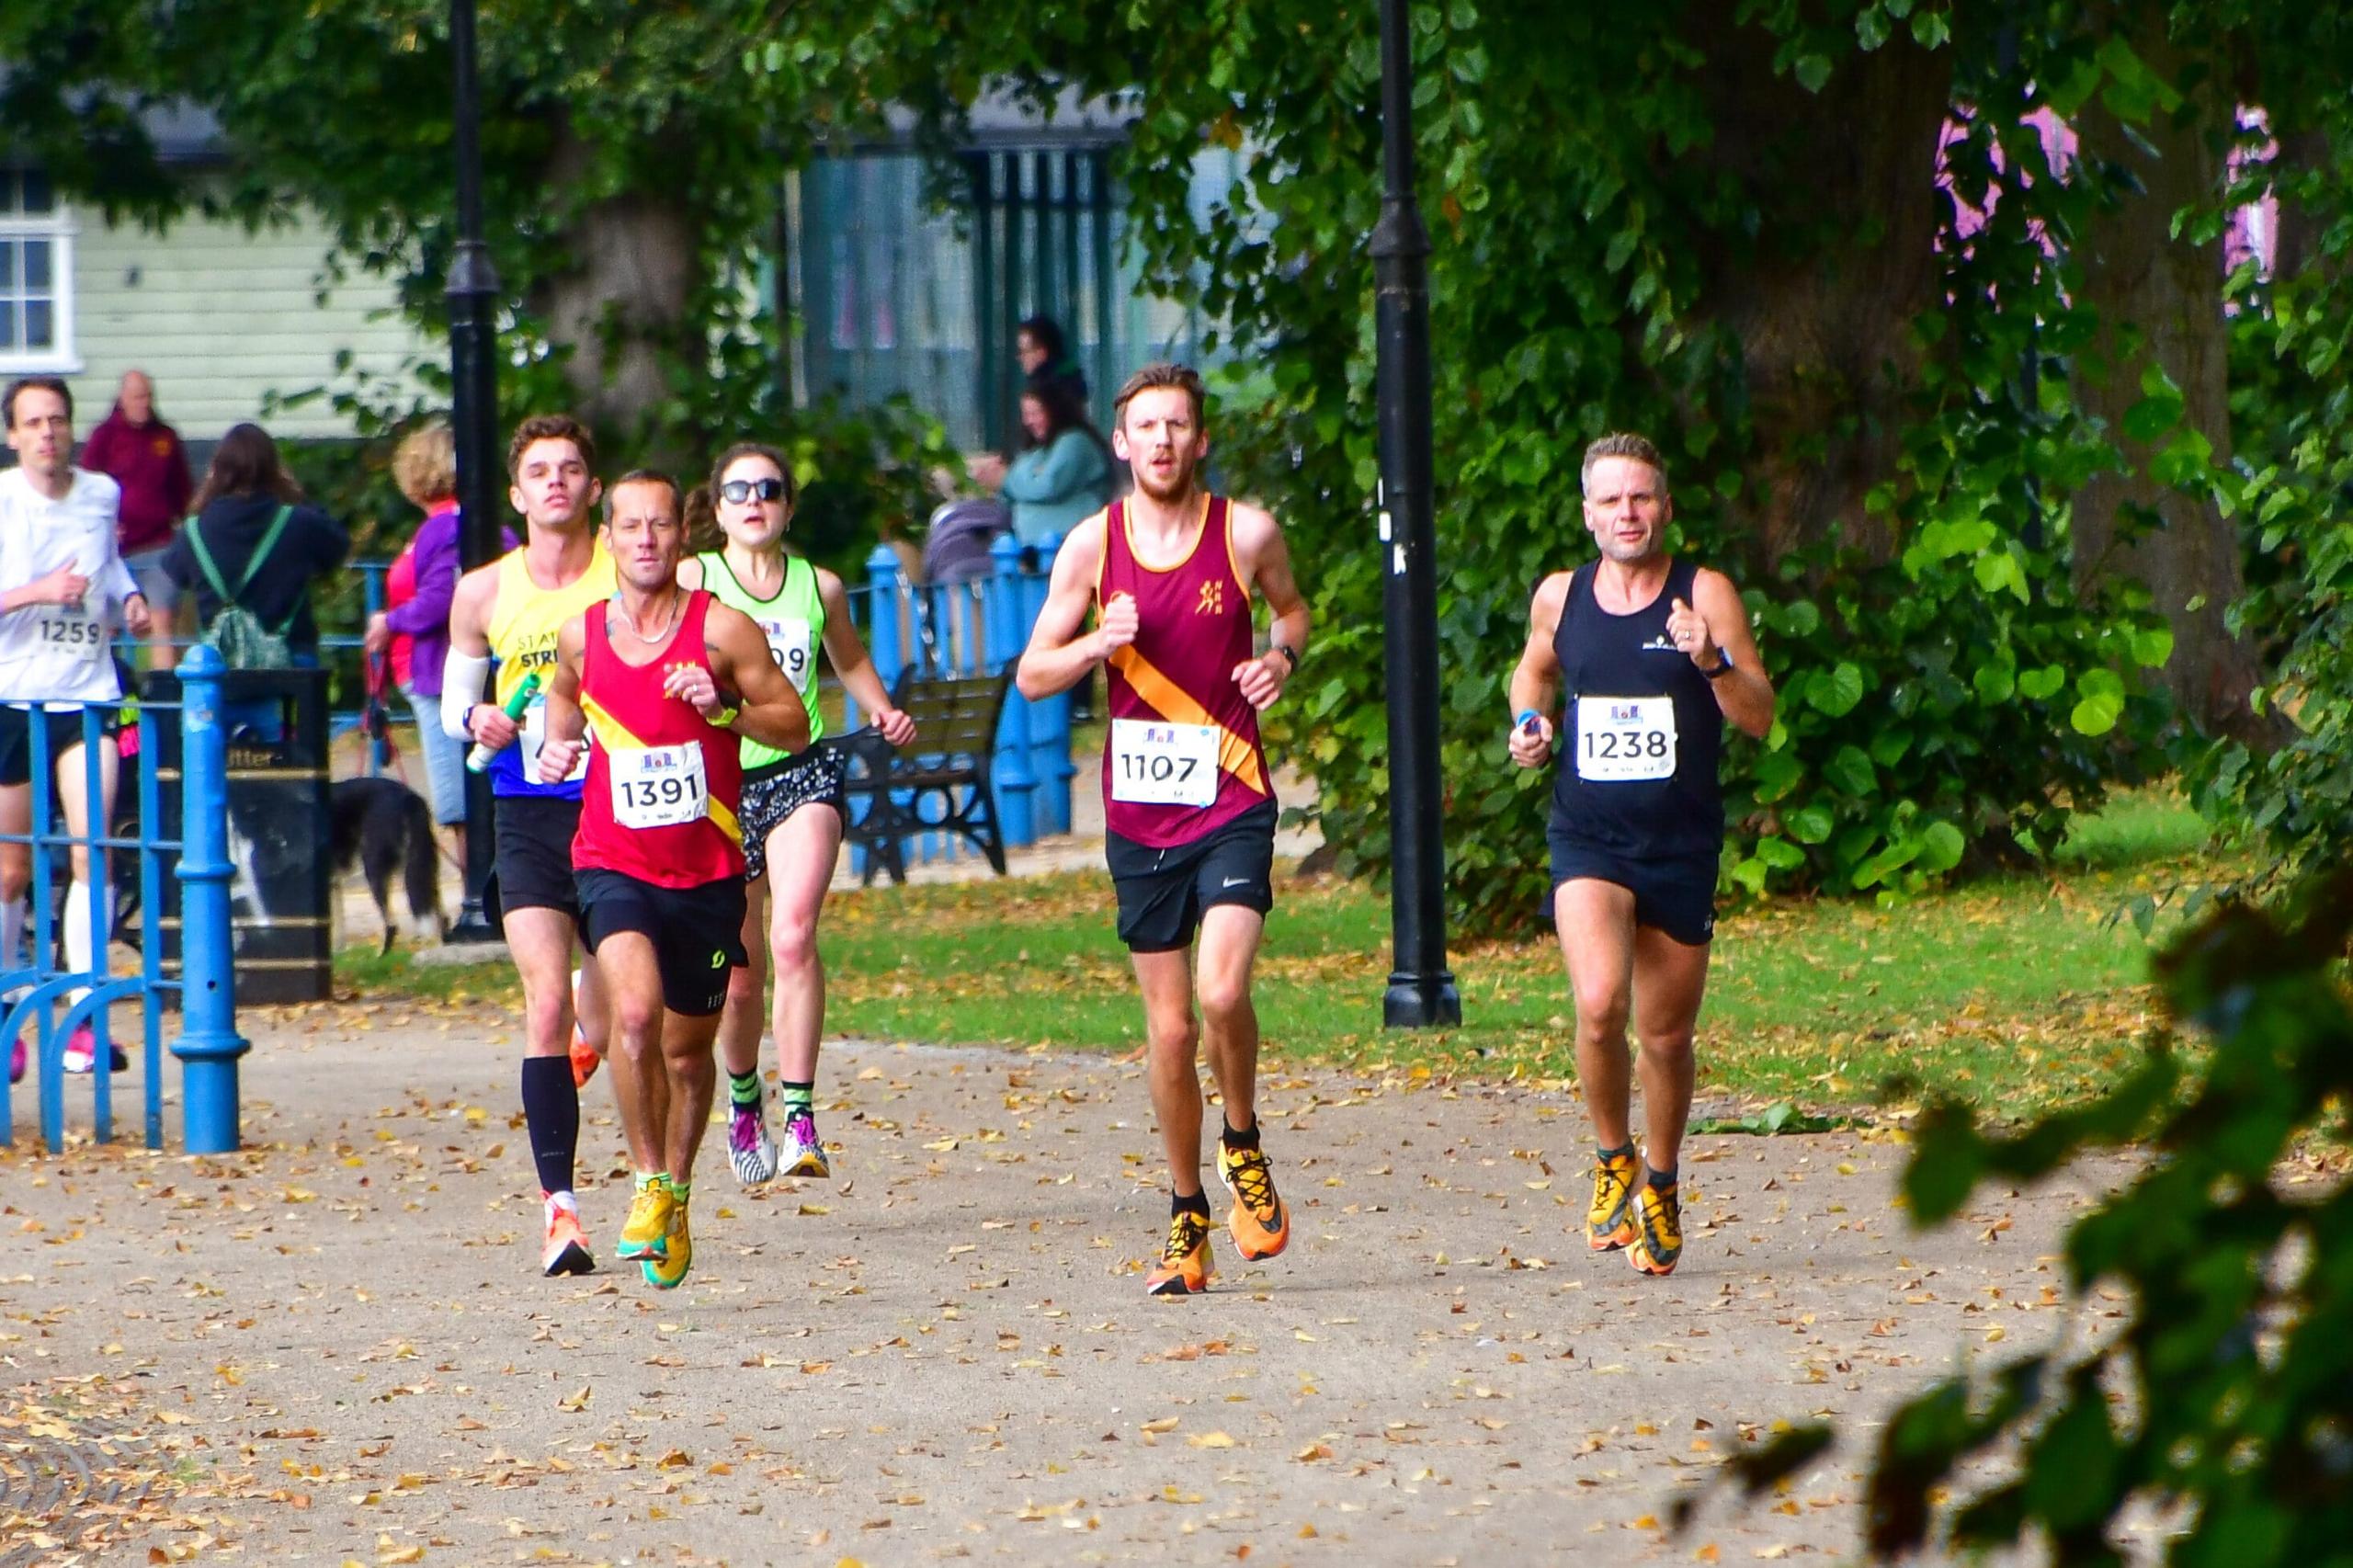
[1523,716]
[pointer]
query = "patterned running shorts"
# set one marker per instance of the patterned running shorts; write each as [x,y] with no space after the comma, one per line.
[809,778]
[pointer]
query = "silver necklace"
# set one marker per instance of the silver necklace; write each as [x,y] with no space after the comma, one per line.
[678,604]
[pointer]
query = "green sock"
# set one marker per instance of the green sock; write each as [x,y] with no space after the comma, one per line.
[743,1088]
[795,1096]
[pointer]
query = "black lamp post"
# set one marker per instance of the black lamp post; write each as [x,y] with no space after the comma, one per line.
[1421,989]
[473,294]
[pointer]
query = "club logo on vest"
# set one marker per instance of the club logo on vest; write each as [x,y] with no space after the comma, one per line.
[1212,598]
[1662,644]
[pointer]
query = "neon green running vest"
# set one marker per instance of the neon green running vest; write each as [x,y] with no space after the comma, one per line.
[794,624]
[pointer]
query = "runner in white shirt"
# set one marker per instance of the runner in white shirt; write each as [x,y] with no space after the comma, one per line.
[62,581]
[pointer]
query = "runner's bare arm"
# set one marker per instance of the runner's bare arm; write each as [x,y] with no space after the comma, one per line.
[1060,656]
[1535,681]
[847,654]
[567,723]
[770,709]
[465,667]
[1747,694]
[1263,559]
[691,574]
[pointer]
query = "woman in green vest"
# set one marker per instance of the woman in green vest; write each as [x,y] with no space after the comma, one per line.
[791,811]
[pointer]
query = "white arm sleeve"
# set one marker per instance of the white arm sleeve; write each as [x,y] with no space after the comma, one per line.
[461,679]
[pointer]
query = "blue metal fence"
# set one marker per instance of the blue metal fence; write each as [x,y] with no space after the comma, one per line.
[40,992]
[970,628]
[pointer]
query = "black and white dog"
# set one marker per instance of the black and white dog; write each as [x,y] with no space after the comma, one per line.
[381,823]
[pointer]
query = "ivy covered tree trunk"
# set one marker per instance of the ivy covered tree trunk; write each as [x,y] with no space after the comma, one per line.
[623,306]
[2158,299]
[1820,303]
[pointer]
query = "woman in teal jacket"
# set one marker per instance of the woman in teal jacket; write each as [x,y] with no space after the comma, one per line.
[1063,473]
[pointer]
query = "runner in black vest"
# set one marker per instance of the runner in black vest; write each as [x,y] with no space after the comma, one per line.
[1644,658]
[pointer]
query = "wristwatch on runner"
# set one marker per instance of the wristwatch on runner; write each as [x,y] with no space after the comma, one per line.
[1289,653]
[1723,666]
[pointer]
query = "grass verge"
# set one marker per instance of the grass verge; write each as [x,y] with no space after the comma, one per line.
[2019,993]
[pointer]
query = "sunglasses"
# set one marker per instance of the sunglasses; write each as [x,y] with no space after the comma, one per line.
[741,490]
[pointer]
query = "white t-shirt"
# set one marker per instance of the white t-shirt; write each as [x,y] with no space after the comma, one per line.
[58,653]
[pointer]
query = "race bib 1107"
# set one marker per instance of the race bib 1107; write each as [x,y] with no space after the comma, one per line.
[1623,740]
[1158,764]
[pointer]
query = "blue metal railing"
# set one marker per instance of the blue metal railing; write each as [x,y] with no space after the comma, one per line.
[208,1046]
[977,627]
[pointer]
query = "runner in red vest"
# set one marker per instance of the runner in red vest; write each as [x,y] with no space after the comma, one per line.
[659,855]
[1189,808]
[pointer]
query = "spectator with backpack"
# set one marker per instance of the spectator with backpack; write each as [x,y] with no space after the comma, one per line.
[249,555]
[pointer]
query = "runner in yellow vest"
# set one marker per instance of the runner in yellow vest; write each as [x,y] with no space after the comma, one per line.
[792,804]
[512,611]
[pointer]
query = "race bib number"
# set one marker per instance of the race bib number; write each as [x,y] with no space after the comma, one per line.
[535,734]
[789,643]
[1163,765]
[75,635]
[1624,739]
[658,786]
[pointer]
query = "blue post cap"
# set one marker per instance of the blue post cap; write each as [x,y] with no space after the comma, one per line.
[1006,551]
[203,659]
[883,559]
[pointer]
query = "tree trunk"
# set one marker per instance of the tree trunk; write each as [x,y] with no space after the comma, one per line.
[2158,297]
[623,307]
[1822,306]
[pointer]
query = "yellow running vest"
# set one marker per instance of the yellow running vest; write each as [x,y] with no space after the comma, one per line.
[525,622]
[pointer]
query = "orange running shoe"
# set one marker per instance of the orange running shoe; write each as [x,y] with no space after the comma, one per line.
[1609,1223]
[584,1059]
[1258,1223]
[1185,1267]
[567,1249]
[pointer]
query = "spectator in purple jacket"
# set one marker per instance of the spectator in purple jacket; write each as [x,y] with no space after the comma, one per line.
[413,630]
[140,452]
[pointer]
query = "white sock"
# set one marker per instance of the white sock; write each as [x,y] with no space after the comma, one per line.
[12,934]
[564,1201]
[78,930]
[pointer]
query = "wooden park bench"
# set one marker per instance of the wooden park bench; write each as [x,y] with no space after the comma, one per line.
[956,721]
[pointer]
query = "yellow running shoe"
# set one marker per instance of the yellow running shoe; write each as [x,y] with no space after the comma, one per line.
[1609,1223]
[646,1231]
[1258,1223]
[1185,1267]
[1658,1231]
[668,1270]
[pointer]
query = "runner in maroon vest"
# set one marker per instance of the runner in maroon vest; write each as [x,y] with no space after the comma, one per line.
[659,855]
[1189,808]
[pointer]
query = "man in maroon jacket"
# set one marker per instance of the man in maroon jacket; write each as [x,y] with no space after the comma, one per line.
[143,455]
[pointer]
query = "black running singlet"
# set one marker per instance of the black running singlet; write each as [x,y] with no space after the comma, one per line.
[1640,728]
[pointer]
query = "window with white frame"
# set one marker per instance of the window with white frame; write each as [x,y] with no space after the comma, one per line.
[36,275]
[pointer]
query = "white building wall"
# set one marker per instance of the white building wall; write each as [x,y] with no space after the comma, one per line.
[219,316]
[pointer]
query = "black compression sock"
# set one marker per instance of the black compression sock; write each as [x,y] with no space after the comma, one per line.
[551,1112]
[1241,1140]
[1198,1203]
[1623,1152]
[1663,1178]
[743,1088]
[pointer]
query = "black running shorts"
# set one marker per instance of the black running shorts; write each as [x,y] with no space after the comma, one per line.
[64,728]
[811,777]
[1675,894]
[1163,891]
[531,853]
[698,933]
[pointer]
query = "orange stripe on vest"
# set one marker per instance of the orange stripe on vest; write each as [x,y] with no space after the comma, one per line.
[1173,703]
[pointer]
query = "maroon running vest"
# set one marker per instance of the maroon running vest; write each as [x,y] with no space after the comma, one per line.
[1183,758]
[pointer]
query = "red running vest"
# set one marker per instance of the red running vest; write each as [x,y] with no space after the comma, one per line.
[663,785]
[1193,627]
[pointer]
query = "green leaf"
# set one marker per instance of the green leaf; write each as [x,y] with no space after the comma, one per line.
[1888,747]
[1810,824]
[1942,847]
[1780,854]
[1813,72]
[2152,645]
[1851,770]
[2096,715]
[1837,690]
[1995,682]
[2043,683]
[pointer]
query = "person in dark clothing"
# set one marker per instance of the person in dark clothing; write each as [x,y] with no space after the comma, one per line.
[234,508]
[139,451]
[1045,360]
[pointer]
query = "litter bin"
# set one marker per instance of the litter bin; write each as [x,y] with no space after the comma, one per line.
[280,829]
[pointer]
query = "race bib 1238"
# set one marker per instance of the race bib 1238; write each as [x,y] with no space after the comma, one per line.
[1625,739]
